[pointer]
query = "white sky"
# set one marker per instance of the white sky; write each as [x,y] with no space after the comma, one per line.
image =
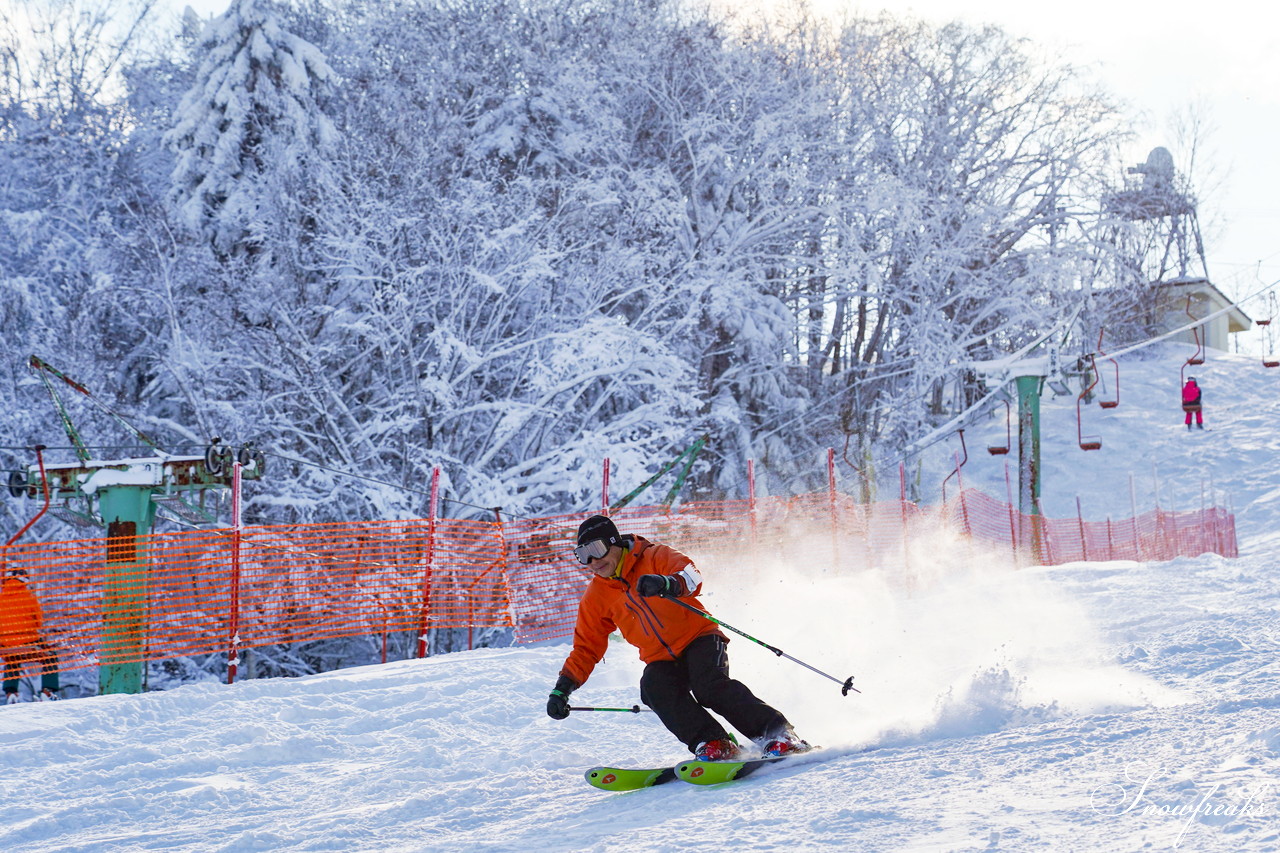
[1160,58]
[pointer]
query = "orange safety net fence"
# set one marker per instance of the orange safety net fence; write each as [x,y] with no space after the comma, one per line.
[1150,537]
[296,582]
[317,581]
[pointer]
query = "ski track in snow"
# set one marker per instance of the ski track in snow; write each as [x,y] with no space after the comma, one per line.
[1092,706]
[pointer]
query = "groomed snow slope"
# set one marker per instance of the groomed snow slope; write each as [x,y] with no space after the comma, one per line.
[1094,706]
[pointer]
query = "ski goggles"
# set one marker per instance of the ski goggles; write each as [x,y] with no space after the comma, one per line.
[593,550]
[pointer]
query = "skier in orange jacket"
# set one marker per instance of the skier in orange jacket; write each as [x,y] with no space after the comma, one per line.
[22,640]
[686,661]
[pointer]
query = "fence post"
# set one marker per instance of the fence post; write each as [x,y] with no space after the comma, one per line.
[1204,527]
[604,490]
[831,479]
[751,502]
[233,641]
[425,616]
[1162,537]
[1220,529]
[831,500]
[1084,545]
[1013,529]
[902,506]
[1217,518]
[1133,508]
[385,616]
[1235,541]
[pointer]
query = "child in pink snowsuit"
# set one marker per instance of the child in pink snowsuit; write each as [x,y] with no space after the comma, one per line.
[1191,402]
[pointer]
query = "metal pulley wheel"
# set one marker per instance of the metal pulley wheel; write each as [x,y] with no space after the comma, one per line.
[17,483]
[212,462]
[252,457]
[218,458]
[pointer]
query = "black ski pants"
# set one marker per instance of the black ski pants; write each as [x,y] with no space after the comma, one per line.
[680,691]
[15,660]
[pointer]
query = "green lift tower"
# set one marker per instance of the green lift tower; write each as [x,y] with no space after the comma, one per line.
[122,496]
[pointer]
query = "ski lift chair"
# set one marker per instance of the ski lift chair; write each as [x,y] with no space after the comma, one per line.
[1092,442]
[1109,404]
[1271,310]
[1198,356]
[959,464]
[1269,357]
[1002,449]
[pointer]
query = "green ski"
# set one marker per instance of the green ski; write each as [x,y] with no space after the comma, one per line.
[692,771]
[623,779]
[714,772]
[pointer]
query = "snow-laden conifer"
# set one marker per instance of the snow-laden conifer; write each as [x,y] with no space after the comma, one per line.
[253,110]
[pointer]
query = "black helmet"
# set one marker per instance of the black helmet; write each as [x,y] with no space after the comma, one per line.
[599,527]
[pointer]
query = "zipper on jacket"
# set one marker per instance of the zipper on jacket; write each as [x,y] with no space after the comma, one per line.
[646,620]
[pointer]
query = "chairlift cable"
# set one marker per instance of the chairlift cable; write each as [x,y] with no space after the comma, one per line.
[1201,321]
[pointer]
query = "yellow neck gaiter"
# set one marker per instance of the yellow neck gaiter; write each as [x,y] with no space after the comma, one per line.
[617,571]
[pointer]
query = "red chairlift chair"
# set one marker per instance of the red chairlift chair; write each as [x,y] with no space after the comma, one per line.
[1002,449]
[1109,404]
[1093,442]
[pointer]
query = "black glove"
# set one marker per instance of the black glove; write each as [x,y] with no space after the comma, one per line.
[558,701]
[650,585]
[557,705]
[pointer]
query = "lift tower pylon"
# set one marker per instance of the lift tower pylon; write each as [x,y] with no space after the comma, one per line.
[122,496]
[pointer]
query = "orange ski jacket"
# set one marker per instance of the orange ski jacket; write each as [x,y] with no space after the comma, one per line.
[660,629]
[20,616]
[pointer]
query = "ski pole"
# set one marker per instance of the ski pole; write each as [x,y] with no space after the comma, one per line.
[845,686]
[634,709]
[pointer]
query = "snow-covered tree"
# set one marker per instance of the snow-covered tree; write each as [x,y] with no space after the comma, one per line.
[254,111]
[524,236]
[66,187]
[969,176]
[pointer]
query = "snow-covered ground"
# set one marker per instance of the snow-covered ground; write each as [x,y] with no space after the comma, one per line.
[1093,706]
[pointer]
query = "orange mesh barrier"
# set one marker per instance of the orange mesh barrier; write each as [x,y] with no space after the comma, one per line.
[1153,536]
[311,582]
